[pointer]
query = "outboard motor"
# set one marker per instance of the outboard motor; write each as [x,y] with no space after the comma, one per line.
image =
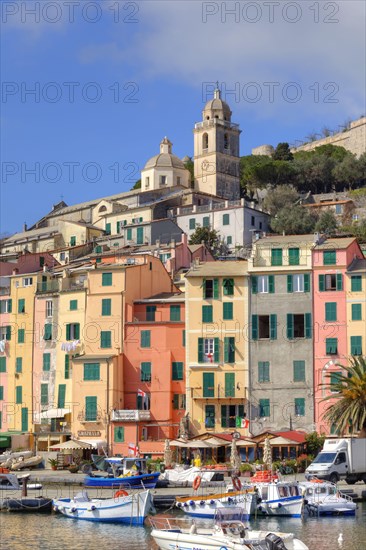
[274,542]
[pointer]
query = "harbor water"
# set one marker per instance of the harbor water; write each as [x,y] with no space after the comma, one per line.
[55,532]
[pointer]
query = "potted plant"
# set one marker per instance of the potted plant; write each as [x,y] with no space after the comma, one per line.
[53,462]
[246,469]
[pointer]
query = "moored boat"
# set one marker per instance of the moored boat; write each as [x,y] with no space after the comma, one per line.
[324,498]
[124,472]
[206,506]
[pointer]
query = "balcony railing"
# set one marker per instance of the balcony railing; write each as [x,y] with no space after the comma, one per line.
[128,415]
[214,122]
[89,417]
[57,428]
[49,286]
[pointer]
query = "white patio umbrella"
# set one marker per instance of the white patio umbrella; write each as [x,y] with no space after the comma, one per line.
[267,454]
[72,444]
[235,460]
[168,455]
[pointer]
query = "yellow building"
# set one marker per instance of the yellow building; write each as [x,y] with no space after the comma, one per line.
[355,286]
[217,347]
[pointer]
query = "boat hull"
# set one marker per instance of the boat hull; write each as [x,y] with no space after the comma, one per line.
[130,509]
[148,481]
[206,507]
[290,507]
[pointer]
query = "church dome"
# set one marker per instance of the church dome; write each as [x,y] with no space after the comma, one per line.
[165,159]
[217,107]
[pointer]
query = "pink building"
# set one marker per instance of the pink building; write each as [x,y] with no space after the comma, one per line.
[5,406]
[153,373]
[331,259]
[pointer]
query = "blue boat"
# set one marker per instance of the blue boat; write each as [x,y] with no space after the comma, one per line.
[124,472]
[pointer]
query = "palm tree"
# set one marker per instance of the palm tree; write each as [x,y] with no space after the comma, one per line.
[349,392]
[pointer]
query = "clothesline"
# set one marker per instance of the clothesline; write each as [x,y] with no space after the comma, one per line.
[70,346]
[2,346]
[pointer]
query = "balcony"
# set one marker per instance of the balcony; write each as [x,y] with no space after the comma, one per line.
[214,122]
[130,415]
[48,286]
[58,427]
[84,417]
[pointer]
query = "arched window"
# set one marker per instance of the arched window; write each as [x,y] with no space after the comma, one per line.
[205,141]
[207,118]
[226,141]
[102,208]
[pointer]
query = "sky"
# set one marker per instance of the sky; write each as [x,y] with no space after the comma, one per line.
[90,88]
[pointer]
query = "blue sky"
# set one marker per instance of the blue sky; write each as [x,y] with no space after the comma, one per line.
[113,78]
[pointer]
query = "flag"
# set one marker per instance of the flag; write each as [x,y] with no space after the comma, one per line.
[145,399]
[133,449]
[141,393]
[241,422]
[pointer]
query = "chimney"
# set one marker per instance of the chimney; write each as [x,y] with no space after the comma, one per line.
[15,271]
[25,227]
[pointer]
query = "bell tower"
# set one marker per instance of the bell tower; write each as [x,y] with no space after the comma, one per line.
[216,151]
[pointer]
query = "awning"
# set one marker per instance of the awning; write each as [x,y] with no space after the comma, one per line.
[5,442]
[72,444]
[95,443]
[54,413]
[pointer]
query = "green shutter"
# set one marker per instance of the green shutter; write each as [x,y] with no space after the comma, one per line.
[73,305]
[276,256]
[321,283]
[184,338]
[1,393]
[175,313]
[73,240]
[271,284]
[21,335]
[356,283]
[192,223]
[299,371]
[289,283]
[254,327]
[18,395]
[207,314]
[145,341]
[334,378]
[264,408]
[226,219]
[299,406]
[140,235]
[21,306]
[90,408]
[18,364]
[118,226]
[254,284]
[150,313]
[47,331]
[61,396]
[46,361]
[177,370]
[216,288]
[91,371]
[67,367]
[227,312]
[229,384]
[290,326]
[200,350]
[356,345]
[206,221]
[331,346]
[209,416]
[356,312]
[263,371]
[107,228]
[145,371]
[105,339]
[106,279]
[44,394]
[10,306]
[68,331]
[8,333]
[176,401]
[329,257]
[208,384]
[308,325]
[129,234]
[106,306]
[306,282]
[24,419]
[331,311]
[76,331]
[119,434]
[2,364]
[294,256]
[217,350]
[273,326]
[228,287]
[339,281]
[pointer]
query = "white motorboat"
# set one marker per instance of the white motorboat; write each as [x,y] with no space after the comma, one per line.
[10,455]
[122,507]
[206,506]
[14,483]
[228,533]
[323,498]
[26,463]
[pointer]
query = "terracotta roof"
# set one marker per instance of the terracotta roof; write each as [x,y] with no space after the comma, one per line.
[294,435]
[327,203]
[219,269]
[337,243]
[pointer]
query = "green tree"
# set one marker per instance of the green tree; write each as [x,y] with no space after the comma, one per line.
[314,443]
[207,235]
[137,185]
[293,220]
[348,390]
[282,152]
[190,166]
[350,172]
[280,197]
[327,222]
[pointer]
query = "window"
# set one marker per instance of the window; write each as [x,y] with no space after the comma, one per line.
[207,314]
[62,256]
[177,370]
[331,346]
[105,339]
[192,223]
[6,306]
[139,235]
[229,240]
[206,221]
[143,401]
[163,180]
[91,408]
[145,371]
[226,141]
[106,306]
[27,281]
[294,256]
[49,308]
[264,326]
[73,331]
[44,394]
[19,364]
[175,313]
[356,283]
[230,415]
[47,332]
[330,281]
[356,345]
[72,241]
[209,416]
[178,180]
[21,335]
[5,333]
[184,338]
[334,379]
[356,312]
[91,371]
[61,396]
[263,284]
[228,287]
[24,419]
[276,256]
[119,434]
[226,219]
[118,228]
[179,401]
[67,367]
[229,349]
[263,371]
[18,395]
[147,182]
[208,382]
[21,305]
[210,288]
[338,209]
[299,371]
[264,408]
[227,311]
[299,406]
[73,305]
[145,341]
[299,325]
[208,350]
[331,311]
[129,234]
[205,141]
[150,313]
[329,257]
[298,282]
[2,364]
[252,221]
[106,279]
[46,362]
[229,384]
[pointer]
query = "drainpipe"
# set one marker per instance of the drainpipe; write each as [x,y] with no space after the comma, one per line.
[107,407]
